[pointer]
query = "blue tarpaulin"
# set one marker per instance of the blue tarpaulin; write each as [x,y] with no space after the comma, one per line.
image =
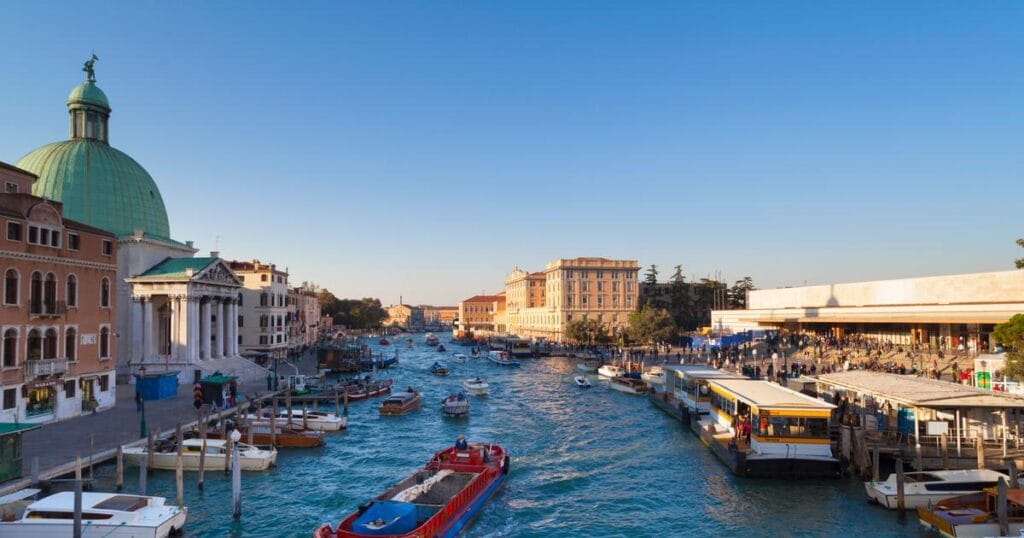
[386,517]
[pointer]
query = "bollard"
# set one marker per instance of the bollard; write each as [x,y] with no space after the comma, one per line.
[944,446]
[346,402]
[35,471]
[288,404]
[305,421]
[236,486]
[119,478]
[337,405]
[77,531]
[901,506]
[142,478]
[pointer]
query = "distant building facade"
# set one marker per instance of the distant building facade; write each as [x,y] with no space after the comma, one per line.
[58,317]
[482,315]
[303,318]
[405,316]
[263,331]
[437,316]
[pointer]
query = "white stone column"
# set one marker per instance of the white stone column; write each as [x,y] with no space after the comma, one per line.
[218,350]
[136,329]
[147,328]
[204,330]
[172,333]
[234,330]
[192,338]
[232,324]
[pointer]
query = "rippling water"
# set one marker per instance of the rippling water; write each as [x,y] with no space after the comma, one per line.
[584,463]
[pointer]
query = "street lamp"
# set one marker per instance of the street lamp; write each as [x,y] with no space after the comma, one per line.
[142,403]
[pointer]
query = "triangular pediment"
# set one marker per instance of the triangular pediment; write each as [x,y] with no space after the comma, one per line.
[217,272]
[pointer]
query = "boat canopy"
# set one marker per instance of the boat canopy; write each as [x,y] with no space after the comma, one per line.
[386,518]
[762,395]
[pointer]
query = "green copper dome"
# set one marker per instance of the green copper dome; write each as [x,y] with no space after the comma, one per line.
[88,93]
[97,184]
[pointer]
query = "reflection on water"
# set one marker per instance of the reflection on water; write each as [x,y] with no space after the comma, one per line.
[584,463]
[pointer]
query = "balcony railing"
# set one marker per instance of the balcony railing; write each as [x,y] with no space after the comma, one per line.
[45,367]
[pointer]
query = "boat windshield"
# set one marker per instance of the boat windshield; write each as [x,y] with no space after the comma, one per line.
[776,426]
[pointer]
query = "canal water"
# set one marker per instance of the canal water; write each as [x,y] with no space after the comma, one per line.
[584,463]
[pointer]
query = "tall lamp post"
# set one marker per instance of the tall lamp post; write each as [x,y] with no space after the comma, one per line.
[142,403]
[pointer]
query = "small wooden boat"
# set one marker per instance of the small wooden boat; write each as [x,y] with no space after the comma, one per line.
[439,500]
[108,515]
[588,366]
[165,455]
[368,390]
[501,357]
[629,385]
[611,371]
[441,348]
[582,382]
[294,437]
[455,405]
[438,369]
[476,386]
[459,358]
[400,403]
[928,488]
[383,341]
[315,420]
[974,515]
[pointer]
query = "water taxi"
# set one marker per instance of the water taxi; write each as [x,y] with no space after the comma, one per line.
[762,429]
[611,371]
[455,405]
[431,340]
[285,437]
[459,358]
[107,515]
[438,369]
[582,382]
[629,385]
[439,500]
[501,357]
[974,515]
[476,386]
[400,403]
[165,455]
[928,488]
[689,385]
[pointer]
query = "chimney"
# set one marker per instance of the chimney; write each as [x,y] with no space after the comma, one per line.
[189,244]
[215,254]
[400,299]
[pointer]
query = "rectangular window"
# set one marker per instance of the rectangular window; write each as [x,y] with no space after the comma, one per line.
[615,286]
[104,383]
[583,300]
[69,389]
[108,247]
[55,239]
[600,300]
[615,275]
[14,231]
[33,234]
[241,321]
[600,286]
[74,241]
[263,278]
[600,274]
[584,274]
[568,275]
[10,398]
[10,187]
[263,340]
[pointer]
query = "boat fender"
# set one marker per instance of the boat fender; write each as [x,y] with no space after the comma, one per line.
[505,465]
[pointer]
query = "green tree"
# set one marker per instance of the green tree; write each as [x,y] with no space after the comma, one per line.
[649,325]
[1011,336]
[1019,262]
[651,276]
[587,331]
[737,294]
[680,304]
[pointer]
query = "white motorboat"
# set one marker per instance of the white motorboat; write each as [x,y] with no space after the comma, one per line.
[476,386]
[315,420]
[455,405]
[582,382]
[629,385]
[166,453]
[587,366]
[922,489]
[459,358]
[501,357]
[611,371]
[107,515]
[654,376]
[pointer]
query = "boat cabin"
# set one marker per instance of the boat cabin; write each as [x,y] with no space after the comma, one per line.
[689,384]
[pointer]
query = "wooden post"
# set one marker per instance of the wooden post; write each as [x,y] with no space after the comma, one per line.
[288,404]
[979,448]
[959,433]
[236,487]
[305,421]
[34,471]
[1011,469]
[273,426]
[248,427]
[1004,523]
[178,470]
[149,452]
[203,425]
[92,450]
[944,448]
[142,478]
[1004,431]
[874,464]
[901,506]
[77,531]
[316,404]
[337,405]
[918,466]
[227,453]
[119,477]
[346,402]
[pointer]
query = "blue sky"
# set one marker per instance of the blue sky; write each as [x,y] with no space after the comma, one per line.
[424,149]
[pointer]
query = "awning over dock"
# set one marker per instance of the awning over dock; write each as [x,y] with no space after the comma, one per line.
[698,371]
[765,395]
[914,391]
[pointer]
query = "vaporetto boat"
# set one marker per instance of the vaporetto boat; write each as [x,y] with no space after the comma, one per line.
[166,454]
[928,488]
[104,515]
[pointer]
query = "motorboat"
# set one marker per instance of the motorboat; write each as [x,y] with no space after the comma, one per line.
[315,420]
[431,340]
[441,348]
[629,385]
[285,437]
[165,455]
[611,371]
[441,499]
[655,375]
[400,403]
[476,386]
[459,358]
[501,357]
[975,514]
[438,369]
[582,382]
[368,389]
[107,515]
[383,341]
[455,405]
[928,488]
[587,366]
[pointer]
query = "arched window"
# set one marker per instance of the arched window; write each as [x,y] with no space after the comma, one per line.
[10,349]
[50,344]
[35,345]
[36,293]
[71,293]
[11,287]
[105,342]
[70,344]
[105,293]
[50,294]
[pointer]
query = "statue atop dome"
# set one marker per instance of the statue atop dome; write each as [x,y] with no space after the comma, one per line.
[90,73]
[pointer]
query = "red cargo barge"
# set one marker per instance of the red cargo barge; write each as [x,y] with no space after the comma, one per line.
[438,500]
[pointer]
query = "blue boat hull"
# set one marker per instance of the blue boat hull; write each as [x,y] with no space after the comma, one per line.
[467,517]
